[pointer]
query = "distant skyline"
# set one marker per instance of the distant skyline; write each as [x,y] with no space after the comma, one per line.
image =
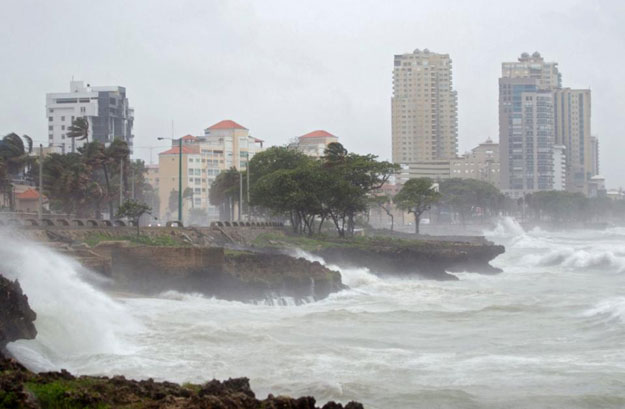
[283,69]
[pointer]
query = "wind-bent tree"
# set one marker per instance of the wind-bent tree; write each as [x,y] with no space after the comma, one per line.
[16,155]
[133,210]
[417,196]
[466,196]
[224,191]
[384,202]
[172,202]
[309,191]
[79,129]
[66,183]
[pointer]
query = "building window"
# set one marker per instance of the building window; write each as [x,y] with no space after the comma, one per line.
[49,119]
[82,109]
[50,128]
[62,118]
[62,127]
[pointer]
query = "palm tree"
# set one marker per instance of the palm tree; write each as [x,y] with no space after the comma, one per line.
[14,153]
[79,129]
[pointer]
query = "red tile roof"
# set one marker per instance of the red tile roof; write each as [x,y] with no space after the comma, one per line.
[185,150]
[256,140]
[318,134]
[28,194]
[227,124]
[188,138]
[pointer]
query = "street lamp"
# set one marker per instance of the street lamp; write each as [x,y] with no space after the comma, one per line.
[179,175]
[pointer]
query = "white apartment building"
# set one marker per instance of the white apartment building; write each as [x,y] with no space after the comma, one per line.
[105,107]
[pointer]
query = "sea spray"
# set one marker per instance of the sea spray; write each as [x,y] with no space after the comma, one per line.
[352,277]
[74,319]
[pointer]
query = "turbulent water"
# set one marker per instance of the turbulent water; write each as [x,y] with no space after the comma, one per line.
[549,332]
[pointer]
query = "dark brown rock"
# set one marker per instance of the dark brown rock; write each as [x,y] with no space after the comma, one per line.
[16,316]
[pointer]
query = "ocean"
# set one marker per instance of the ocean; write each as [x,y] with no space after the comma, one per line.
[548,332]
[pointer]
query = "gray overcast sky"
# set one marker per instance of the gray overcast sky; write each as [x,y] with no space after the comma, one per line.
[284,68]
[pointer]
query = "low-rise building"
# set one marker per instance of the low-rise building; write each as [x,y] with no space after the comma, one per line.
[314,143]
[482,163]
[224,145]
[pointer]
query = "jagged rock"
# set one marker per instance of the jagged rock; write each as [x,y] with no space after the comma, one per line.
[23,389]
[16,316]
[283,275]
[429,259]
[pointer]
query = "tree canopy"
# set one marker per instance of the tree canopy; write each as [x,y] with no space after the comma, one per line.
[309,191]
[416,196]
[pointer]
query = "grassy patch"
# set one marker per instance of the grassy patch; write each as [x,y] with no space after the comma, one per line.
[159,241]
[63,394]
[320,242]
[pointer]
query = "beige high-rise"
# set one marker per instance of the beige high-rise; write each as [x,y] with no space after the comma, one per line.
[424,108]
[572,129]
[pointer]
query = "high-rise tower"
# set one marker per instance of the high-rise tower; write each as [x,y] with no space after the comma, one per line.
[424,108]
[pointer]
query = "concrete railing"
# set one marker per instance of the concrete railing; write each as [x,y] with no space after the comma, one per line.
[246,224]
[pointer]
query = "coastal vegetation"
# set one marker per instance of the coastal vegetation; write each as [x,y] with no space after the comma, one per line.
[308,192]
[133,210]
[417,196]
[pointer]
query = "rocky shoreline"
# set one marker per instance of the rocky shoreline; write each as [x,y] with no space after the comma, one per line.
[21,388]
[429,259]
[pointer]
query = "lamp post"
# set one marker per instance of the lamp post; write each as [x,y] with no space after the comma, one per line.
[179,175]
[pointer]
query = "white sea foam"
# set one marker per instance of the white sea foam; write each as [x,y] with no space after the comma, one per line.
[613,308]
[73,318]
[525,338]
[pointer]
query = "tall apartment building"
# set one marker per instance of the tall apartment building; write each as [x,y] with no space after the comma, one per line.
[572,129]
[105,107]
[223,146]
[526,117]
[424,108]
[534,66]
[526,129]
[594,144]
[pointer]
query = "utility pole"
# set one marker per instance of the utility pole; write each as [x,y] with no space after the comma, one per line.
[240,194]
[132,187]
[121,182]
[40,207]
[249,213]
[179,175]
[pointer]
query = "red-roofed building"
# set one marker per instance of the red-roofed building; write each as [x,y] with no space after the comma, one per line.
[185,150]
[314,143]
[192,177]
[224,145]
[234,140]
[27,201]
[225,124]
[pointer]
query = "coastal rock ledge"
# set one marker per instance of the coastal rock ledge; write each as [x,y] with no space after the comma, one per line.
[21,388]
[16,316]
[428,259]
